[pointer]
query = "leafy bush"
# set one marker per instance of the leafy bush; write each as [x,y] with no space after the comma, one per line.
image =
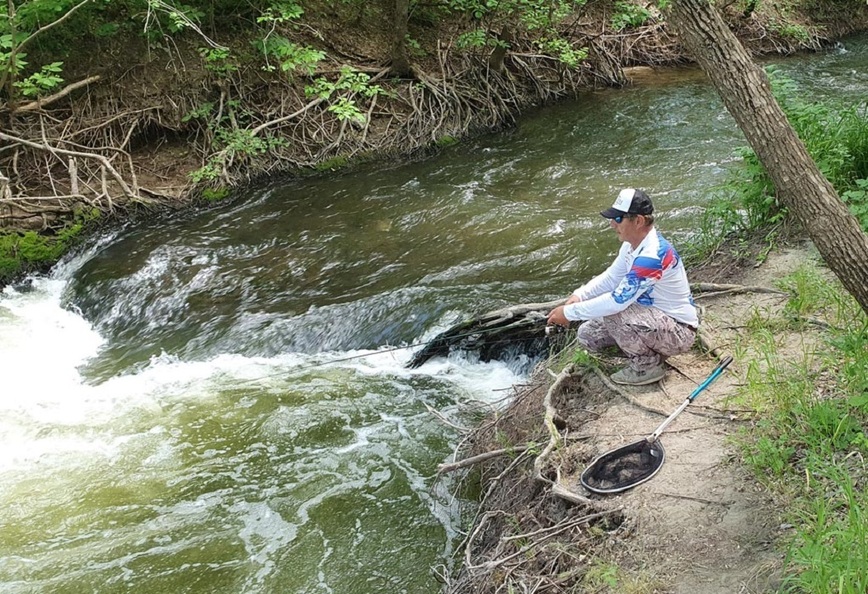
[628,15]
[837,140]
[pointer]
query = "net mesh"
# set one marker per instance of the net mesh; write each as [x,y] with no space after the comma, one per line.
[625,467]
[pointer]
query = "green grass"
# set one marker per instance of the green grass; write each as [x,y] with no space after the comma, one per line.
[809,445]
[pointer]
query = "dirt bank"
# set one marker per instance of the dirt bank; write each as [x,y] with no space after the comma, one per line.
[702,525]
[154,125]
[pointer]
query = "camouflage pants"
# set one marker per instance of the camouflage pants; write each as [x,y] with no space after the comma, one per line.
[645,334]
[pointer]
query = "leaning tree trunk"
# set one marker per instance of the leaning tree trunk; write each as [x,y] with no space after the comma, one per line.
[801,187]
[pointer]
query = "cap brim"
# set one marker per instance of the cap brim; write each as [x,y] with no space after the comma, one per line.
[611,213]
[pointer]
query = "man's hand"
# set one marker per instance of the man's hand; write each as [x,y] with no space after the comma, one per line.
[557,317]
[572,299]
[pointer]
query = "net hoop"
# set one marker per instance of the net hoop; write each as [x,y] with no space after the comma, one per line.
[596,477]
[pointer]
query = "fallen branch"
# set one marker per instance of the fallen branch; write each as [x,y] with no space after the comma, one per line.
[550,533]
[58,151]
[618,390]
[717,290]
[39,103]
[548,419]
[452,466]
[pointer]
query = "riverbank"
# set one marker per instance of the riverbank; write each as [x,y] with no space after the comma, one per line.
[719,517]
[165,128]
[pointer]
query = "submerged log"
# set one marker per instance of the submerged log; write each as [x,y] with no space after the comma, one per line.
[499,334]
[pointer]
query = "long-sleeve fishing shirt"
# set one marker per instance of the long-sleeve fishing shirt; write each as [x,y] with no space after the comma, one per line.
[651,275]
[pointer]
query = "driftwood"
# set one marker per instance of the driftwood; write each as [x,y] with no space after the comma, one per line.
[511,330]
[521,328]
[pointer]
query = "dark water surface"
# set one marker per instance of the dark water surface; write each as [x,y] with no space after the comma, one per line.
[181,412]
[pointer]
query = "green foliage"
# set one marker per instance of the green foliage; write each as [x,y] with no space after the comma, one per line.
[829,551]
[853,346]
[290,56]
[538,18]
[281,12]
[42,82]
[350,84]
[791,30]
[218,60]
[583,358]
[771,453]
[7,63]
[601,575]
[201,112]
[474,38]
[811,294]
[837,140]
[561,48]
[215,194]
[210,171]
[177,16]
[628,15]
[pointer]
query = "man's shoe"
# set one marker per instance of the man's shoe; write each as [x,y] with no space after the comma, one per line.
[630,377]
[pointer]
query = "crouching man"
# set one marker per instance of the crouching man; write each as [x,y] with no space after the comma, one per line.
[641,303]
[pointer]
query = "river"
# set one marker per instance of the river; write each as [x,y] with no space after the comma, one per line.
[216,401]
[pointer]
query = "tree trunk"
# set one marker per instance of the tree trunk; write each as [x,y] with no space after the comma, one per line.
[800,186]
[400,61]
[498,55]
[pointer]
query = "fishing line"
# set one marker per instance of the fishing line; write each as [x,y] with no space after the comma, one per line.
[390,350]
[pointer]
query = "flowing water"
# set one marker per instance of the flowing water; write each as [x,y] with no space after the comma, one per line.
[213,402]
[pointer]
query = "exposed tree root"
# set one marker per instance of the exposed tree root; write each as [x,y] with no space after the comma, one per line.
[97,143]
[531,530]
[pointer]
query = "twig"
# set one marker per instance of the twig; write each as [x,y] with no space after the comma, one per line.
[443,419]
[690,498]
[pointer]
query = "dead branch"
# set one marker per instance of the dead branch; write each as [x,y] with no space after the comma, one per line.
[58,151]
[550,412]
[43,101]
[452,466]
[716,290]
[626,395]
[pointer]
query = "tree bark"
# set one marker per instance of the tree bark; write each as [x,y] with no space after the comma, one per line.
[400,60]
[498,55]
[801,187]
